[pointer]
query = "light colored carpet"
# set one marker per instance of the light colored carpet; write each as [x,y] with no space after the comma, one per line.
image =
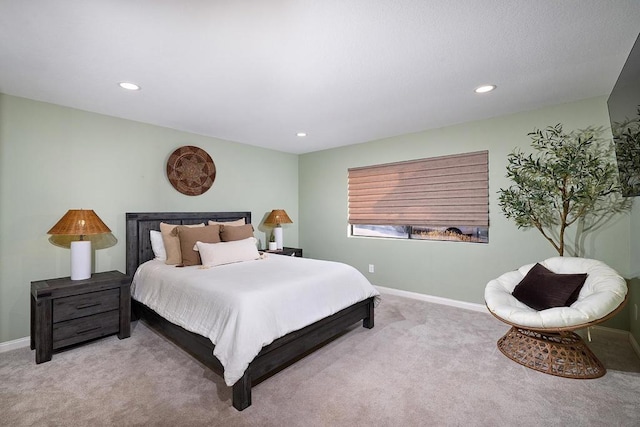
[422,364]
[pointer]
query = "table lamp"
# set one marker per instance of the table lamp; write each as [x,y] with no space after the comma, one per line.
[277,217]
[76,229]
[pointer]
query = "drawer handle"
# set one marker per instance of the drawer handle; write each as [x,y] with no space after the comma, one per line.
[84,331]
[80,307]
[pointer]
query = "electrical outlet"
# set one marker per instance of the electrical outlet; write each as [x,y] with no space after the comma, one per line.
[372,269]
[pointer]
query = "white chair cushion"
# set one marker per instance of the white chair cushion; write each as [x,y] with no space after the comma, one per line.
[603,291]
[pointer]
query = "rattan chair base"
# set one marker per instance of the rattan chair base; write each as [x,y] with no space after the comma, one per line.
[563,354]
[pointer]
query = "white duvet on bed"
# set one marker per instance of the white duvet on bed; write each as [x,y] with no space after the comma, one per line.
[244,306]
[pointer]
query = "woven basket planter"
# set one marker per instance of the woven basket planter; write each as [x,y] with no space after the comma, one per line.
[563,354]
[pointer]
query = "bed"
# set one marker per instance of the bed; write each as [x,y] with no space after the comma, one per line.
[272,357]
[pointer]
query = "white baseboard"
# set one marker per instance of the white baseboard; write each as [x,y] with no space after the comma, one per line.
[434,299]
[611,330]
[15,344]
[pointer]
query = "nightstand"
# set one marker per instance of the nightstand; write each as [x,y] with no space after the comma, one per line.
[65,312]
[287,251]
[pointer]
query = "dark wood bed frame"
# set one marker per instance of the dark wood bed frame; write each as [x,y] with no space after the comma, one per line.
[272,357]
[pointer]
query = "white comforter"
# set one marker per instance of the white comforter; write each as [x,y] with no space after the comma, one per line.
[244,306]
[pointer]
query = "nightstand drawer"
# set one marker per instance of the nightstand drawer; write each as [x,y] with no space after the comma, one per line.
[85,305]
[85,328]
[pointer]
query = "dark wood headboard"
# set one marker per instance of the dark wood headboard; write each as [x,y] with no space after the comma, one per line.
[139,224]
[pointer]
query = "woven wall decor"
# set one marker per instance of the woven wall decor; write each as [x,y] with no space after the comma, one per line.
[191,170]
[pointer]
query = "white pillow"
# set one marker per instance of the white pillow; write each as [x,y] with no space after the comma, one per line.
[157,245]
[231,223]
[214,254]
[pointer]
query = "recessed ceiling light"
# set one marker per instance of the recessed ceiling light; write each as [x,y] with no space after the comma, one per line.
[129,86]
[485,88]
[301,134]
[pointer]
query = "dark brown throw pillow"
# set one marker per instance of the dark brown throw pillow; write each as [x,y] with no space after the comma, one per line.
[541,288]
[190,235]
[229,233]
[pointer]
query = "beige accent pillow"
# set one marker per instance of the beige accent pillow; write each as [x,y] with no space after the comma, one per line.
[230,233]
[188,238]
[214,254]
[235,223]
[172,242]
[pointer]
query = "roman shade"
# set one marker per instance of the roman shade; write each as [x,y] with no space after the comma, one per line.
[436,192]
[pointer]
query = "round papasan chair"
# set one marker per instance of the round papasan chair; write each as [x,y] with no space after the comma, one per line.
[544,339]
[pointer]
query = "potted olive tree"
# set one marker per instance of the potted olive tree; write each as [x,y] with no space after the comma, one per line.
[572,177]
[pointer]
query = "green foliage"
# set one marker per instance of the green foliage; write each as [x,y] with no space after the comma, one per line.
[571,177]
[626,136]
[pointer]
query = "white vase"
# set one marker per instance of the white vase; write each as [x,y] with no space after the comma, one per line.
[273,246]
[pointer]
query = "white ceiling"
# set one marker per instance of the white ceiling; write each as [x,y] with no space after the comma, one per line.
[344,71]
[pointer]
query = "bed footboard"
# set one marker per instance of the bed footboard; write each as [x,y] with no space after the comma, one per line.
[289,348]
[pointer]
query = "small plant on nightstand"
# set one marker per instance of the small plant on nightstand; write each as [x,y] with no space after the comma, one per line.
[272,242]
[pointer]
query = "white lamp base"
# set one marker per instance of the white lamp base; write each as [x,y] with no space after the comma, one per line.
[80,260]
[277,232]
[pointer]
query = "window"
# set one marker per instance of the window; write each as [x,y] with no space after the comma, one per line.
[439,198]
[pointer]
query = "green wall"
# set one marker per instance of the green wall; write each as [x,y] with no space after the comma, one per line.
[452,270]
[54,158]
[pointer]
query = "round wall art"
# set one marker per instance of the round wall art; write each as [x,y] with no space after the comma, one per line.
[191,170]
